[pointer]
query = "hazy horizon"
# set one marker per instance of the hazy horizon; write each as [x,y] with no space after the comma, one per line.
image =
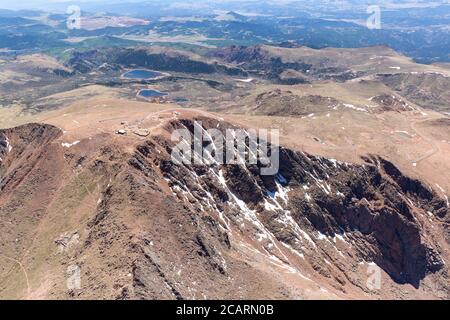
[61,4]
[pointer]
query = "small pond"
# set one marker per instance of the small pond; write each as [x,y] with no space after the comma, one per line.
[142,74]
[149,93]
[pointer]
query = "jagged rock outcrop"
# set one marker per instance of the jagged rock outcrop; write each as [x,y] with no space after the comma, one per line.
[4,145]
[371,205]
[388,102]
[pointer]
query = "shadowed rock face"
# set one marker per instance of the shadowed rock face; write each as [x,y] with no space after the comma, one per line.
[4,145]
[160,230]
[372,204]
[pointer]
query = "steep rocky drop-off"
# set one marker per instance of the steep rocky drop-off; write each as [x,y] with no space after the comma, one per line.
[138,226]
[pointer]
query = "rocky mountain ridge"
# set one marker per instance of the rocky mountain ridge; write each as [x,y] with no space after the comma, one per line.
[147,228]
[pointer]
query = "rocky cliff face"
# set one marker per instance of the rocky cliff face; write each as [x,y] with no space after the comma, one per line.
[4,146]
[312,199]
[148,228]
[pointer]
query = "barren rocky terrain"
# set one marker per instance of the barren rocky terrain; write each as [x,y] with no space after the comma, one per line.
[363,182]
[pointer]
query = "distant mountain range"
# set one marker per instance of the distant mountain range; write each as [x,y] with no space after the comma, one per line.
[419,31]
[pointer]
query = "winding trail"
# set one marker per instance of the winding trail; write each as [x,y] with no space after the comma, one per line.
[435,147]
[21,267]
